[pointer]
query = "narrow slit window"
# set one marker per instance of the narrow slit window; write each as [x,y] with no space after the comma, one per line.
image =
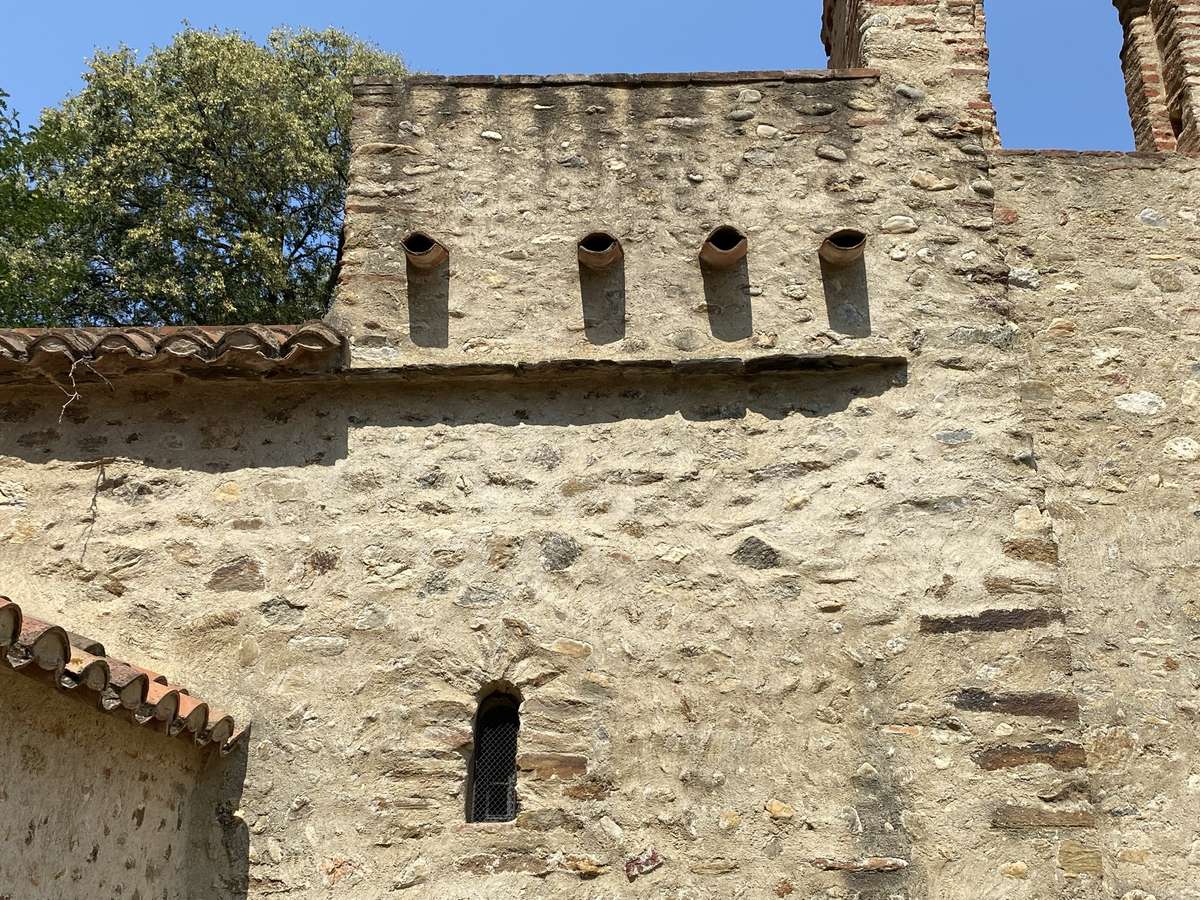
[1176,123]
[493,781]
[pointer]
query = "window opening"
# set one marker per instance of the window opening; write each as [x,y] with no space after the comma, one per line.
[493,782]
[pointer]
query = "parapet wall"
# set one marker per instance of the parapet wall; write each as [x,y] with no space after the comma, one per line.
[510,173]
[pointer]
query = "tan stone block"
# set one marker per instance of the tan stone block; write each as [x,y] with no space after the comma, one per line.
[569,647]
[1135,855]
[779,810]
[553,765]
[1077,859]
[1017,870]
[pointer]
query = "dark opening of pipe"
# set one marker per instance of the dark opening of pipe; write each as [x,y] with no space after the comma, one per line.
[726,238]
[600,250]
[843,247]
[598,242]
[723,248]
[419,242]
[847,238]
[424,252]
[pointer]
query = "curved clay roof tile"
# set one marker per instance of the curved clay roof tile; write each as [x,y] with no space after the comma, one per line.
[162,701]
[34,647]
[10,623]
[136,343]
[193,715]
[88,670]
[310,348]
[128,683]
[46,645]
[221,728]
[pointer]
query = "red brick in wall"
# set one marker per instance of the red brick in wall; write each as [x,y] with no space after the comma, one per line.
[1177,30]
[1144,88]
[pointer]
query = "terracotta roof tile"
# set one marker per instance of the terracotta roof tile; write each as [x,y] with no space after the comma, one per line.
[243,350]
[192,715]
[36,648]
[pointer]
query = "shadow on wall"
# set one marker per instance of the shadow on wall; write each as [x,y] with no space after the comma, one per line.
[847,302]
[603,292]
[727,296]
[224,426]
[429,305]
[223,870]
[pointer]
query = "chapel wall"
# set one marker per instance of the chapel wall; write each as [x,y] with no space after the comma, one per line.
[91,806]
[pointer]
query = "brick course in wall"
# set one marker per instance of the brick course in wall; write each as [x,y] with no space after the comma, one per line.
[1177,29]
[1143,70]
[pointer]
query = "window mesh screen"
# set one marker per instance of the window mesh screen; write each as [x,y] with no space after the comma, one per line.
[494,772]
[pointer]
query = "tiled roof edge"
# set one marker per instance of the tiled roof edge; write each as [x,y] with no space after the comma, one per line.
[313,347]
[81,667]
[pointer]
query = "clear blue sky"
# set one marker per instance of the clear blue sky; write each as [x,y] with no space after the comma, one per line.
[1056,75]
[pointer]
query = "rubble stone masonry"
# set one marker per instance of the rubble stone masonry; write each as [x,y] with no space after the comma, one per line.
[872,580]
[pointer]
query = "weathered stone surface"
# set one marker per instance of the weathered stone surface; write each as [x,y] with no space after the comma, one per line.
[553,765]
[1035,817]
[725,551]
[1061,755]
[757,554]
[646,861]
[992,620]
[928,181]
[899,225]
[779,810]
[241,574]
[559,552]
[867,864]
[1035,703]
[1078,859]
[1142,403]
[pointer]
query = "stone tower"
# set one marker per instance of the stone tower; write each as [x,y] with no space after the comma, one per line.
[705,485]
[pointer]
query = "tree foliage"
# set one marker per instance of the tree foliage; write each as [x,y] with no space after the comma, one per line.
[32,277]
[202,184]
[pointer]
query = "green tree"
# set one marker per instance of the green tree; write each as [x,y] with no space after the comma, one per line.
[203,184]
[31,277]
[13,190]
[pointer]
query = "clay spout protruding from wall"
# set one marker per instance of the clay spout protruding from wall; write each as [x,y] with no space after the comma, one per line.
[423,251]
[600,250]
[723,248]
[843,247]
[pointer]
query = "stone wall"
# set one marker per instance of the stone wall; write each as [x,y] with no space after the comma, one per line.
[930,48]
[91,806]
[752,618]
[511,173]
[862,582]
[1104,281]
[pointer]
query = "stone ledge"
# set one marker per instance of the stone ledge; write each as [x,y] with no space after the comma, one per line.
[368,86]
[1111,158]
[779,363]
[544,370]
